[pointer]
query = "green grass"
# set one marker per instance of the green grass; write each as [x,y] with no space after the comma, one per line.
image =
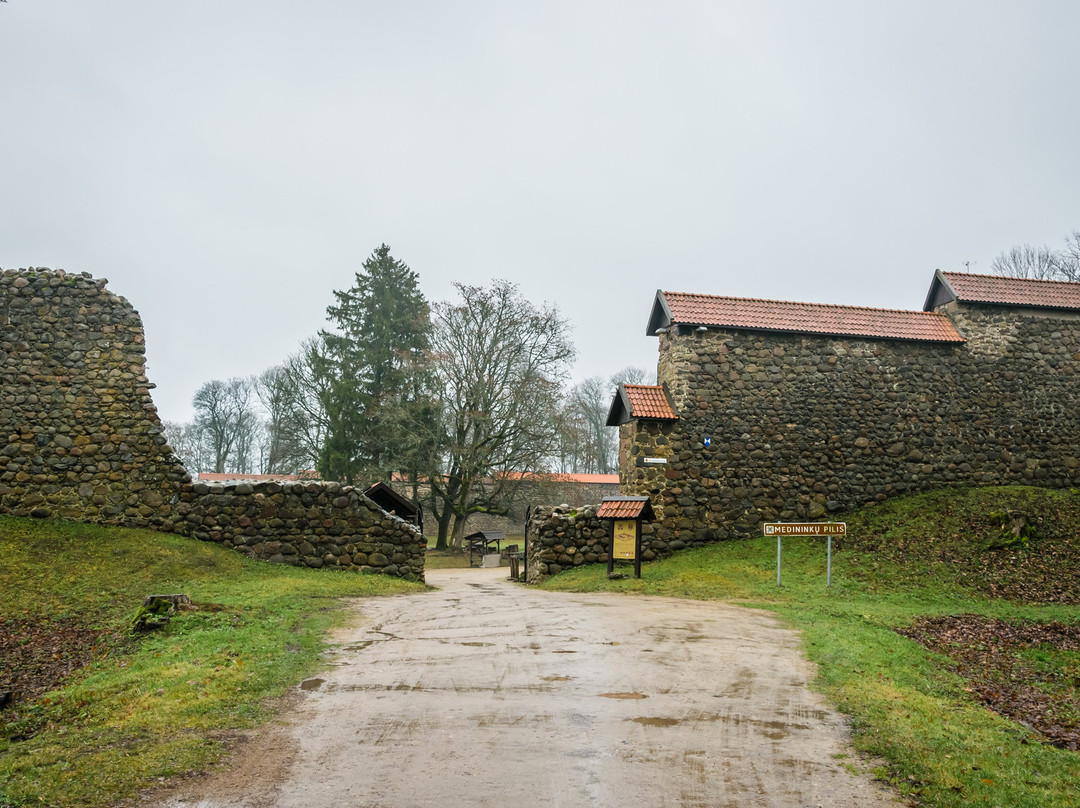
[161,703]
[941,747]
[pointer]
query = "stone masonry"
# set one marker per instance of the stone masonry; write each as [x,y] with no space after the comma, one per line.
[81,440]
[803,426]
[313,524]
[81,435]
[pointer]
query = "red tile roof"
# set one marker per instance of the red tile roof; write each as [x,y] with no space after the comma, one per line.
[1013,291]
[215,477]
[625,508]
[649,401]
[561,477]
[802,318]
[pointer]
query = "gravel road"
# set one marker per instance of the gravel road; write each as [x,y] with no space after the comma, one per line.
[485,693]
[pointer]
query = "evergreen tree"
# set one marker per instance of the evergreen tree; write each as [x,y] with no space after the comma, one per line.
[373,366]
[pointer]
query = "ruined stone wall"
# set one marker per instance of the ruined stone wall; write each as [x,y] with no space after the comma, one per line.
[560,538]
[81,440]
[80,435]
[311,524]
[803,426]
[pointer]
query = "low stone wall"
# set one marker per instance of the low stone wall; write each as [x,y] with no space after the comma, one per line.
[312,524]
[560,538]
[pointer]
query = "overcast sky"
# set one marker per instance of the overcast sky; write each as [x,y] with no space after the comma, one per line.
[226,164]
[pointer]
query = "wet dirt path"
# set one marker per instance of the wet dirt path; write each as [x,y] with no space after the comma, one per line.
[485,693]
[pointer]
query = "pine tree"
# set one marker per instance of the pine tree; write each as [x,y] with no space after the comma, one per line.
[374,365]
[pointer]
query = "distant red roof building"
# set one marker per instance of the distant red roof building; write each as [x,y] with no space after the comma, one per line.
[215,477]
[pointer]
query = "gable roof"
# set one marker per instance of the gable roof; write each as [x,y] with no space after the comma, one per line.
[625,508]
[1000,290]
[648,401]
[681,308]
[394,503]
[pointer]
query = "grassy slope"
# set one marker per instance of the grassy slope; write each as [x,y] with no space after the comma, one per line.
[922,555]
[162,703]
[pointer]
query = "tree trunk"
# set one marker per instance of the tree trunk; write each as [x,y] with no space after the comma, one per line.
[444,528]
[459,529]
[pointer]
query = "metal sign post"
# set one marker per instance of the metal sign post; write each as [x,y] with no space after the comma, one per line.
[827,529]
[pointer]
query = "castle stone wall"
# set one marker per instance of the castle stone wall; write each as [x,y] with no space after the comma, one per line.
[804,426]
[80,439]
[80,435]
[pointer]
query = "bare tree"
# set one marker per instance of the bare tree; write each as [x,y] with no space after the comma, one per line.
[1069,257]
[283,450]
[592,445]
[1025,261]
[632,375]
[1041,263]
[308,389]
[186,441]
[500,362]
[225,418]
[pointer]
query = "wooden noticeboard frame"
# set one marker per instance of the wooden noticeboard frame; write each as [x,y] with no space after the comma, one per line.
[625,515]
[625,544]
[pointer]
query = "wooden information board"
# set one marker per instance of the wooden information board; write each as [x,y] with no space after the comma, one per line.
[624,539]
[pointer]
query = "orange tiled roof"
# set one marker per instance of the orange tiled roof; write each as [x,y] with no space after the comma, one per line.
[649,401]
[215,477]
[1013,291]
[640,401]
[802,318]
[560,477]
[625,508]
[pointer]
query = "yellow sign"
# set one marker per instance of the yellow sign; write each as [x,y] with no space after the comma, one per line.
[624,538]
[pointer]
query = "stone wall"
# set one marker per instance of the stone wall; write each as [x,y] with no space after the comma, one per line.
[309,524]
[560,538]
[804,426]
[81,437]
[81,440]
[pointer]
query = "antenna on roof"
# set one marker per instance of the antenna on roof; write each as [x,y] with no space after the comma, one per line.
[967,265]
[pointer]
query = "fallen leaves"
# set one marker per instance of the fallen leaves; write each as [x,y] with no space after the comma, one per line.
[37,654]
[999,660]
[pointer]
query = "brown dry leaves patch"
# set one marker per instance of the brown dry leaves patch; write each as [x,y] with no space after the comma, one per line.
[995,657]
[37,654]
[956,533]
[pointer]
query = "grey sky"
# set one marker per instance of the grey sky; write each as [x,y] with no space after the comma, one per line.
[227,164]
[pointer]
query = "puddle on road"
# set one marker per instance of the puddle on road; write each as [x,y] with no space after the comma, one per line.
[655,722]
[564,652]
[312,684]
[557,678]
[583,754]
[360,646]
[810,712]
[634,695]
